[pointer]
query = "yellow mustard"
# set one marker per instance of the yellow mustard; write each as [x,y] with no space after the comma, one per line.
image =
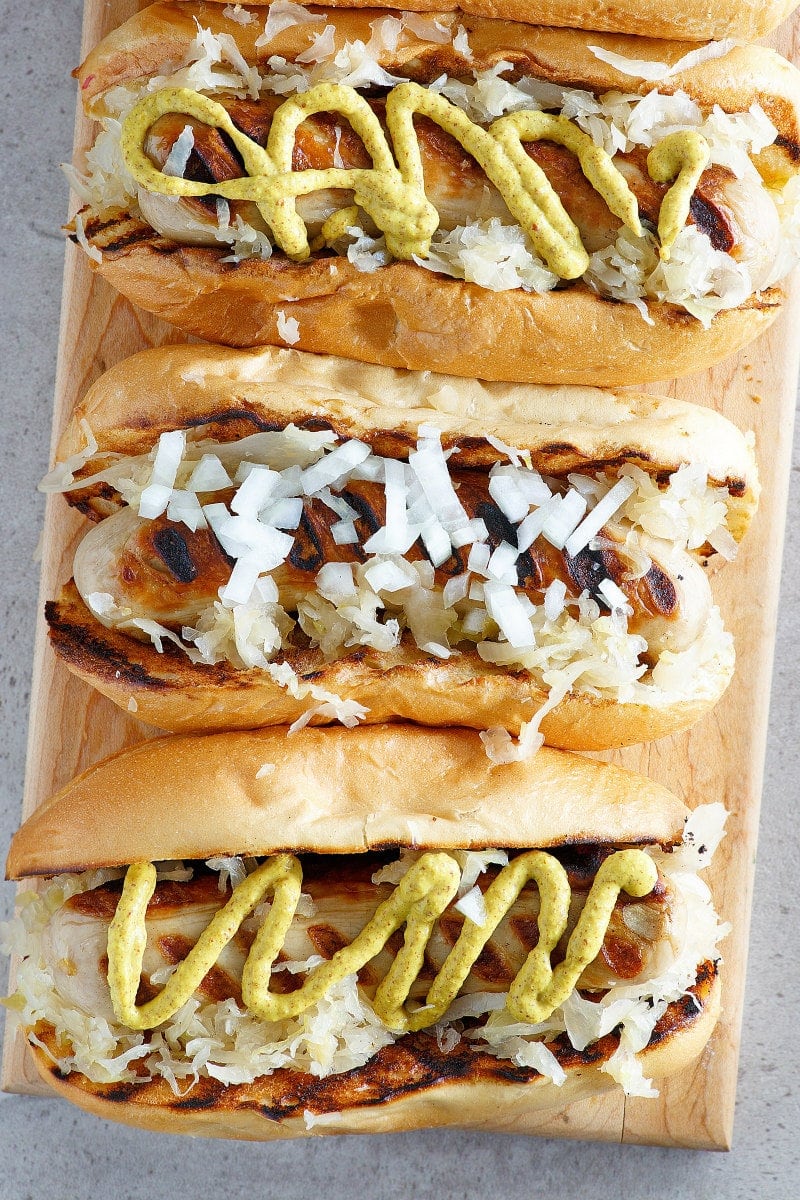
[392,194]
[682,157]
[420,898]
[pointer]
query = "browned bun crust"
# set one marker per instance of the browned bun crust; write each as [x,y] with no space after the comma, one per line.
[232,393]
[402,315]
[407,1085]
[694,19]
[168,691]
[337,791]
[405,316]
[746,75]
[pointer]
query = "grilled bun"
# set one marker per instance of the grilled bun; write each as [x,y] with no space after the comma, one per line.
[346,793]
[333,791]
[228,395]
[400,314]
[695,20]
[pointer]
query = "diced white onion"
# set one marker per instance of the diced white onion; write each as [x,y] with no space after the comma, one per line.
[436,542]
[283,514]
[504,607]
[508,497]
[335,581]
[479,557]
[334,466]
[154,500]
[602,512]
[429,464]
[455,589]
[184,507]
[171,448]
[531,528]
[560,524]
[344,533]
[502,564]
[209,475]
[554,598]
[474,531]
[614,596]
[239,587]
[387,577]
[255,491]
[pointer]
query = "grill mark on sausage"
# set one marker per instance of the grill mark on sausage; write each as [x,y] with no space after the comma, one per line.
[791,147]
[711,221]
[490,965]
[622,956]
[217,985]
[170,546]
[327,941]
[306,553]
[366,513]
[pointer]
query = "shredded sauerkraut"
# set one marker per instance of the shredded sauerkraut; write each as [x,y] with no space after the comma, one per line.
[342,1031]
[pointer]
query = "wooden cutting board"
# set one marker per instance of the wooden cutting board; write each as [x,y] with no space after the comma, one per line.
[722,758]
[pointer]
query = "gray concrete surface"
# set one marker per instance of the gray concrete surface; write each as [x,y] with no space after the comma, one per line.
[48,1149]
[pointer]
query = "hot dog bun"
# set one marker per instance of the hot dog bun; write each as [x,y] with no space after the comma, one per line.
[335,791]
[332,791]
[231,394]
[695,21]
[400,314]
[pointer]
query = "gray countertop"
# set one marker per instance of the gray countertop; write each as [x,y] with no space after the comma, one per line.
[48,1148]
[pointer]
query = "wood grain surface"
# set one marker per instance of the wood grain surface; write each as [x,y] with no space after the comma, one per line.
[722,758]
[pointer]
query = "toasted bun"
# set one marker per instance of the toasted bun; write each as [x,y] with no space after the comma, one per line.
[234,393]
[168,691]
[460,1089]
[335,791]
[402,315]
[746,75]
[693,19]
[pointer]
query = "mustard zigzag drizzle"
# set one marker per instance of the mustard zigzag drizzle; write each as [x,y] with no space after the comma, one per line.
[394,195]
[420,898]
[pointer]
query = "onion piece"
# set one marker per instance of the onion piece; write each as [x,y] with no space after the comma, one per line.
[602,512]
[473,906]
[209,475]
[344,533]
[554,598]
[503,563]
[334,466]
[335,581]
[252,496]
[614,596]
[429,464]
[508,496]
[531,528]
[504,607]
[560,524]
